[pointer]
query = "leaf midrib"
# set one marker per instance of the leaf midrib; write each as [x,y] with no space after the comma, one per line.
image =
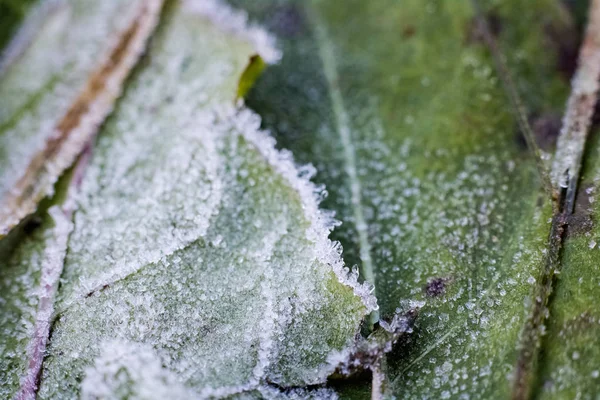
[343,127]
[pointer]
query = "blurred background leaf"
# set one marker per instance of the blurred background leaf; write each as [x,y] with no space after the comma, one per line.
[12,13]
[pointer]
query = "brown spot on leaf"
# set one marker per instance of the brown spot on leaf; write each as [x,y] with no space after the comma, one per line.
[102,288]
[436,287]
[408,31]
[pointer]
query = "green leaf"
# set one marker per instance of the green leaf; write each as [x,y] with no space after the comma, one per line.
[198,263]
[401,109]
[569,364]
[59,79]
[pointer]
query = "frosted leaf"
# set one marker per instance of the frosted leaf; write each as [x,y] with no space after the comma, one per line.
[145,198]
[197,246]
[236,22]
[29,274]
[59,81]
[399,107]
[133,371]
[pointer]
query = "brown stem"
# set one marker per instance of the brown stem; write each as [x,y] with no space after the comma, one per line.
[565,174]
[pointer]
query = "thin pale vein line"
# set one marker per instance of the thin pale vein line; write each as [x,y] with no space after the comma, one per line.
[131,269]
[326,53]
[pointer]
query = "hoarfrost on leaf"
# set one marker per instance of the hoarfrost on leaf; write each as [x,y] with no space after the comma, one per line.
[56,86]
[29,276]
[130,371]
[199,263]
[417,146]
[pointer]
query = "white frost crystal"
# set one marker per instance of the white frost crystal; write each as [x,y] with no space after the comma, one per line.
[132,371]
[58,82]
[236,21]
[199,264]
[29,274]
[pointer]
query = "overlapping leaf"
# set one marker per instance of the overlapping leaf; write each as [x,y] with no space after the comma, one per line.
[60,77]
[198,262]
[399,106]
